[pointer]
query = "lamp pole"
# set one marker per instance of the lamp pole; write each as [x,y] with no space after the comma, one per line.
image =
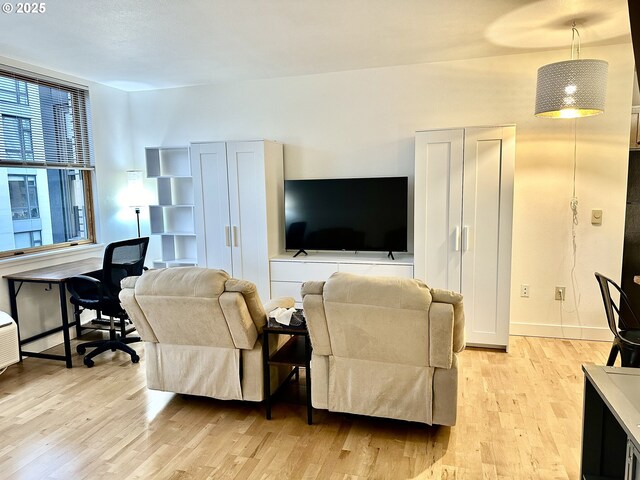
[137,209]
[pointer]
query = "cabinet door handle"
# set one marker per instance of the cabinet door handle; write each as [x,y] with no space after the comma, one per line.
[466,238]
[227,238]
[456,238]
[235,236]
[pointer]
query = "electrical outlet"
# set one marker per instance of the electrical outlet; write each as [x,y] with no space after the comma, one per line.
[524,290]
[560,291]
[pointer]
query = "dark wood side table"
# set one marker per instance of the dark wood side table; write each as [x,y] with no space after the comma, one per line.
[295,353]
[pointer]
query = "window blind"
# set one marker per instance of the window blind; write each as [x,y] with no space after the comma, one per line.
[44,123]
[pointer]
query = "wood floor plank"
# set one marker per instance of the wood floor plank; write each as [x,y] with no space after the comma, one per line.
[519,417]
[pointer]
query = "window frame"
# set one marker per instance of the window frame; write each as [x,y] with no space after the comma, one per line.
[80,107]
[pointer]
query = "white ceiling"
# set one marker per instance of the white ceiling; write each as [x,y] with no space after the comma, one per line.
[148,44]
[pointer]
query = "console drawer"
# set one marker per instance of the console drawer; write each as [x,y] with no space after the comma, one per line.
[301,271]
[286,289]
[405,271]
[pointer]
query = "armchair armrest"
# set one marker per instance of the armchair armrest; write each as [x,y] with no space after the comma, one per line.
[250,294]
[129,282]
[312,288]
[441,335]
[313,304]
[455,299]
[85,287]
[129,302]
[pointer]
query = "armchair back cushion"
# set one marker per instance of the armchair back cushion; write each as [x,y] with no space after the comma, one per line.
[201,330]
[382,319]
[199,306]
[384,346]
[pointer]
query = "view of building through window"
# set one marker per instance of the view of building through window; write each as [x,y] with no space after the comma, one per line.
[40,204]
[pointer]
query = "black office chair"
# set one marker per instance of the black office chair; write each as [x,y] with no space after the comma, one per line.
[99,291]
[627,339]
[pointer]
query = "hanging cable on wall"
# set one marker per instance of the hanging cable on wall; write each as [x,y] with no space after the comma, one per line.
[572,89]
[573,204]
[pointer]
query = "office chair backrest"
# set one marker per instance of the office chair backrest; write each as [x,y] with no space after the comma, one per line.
[123,259]
[614,318]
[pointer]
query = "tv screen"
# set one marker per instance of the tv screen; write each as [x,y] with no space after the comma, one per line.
[354,214]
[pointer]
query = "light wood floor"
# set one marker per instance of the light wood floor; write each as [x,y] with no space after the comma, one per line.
[519,416]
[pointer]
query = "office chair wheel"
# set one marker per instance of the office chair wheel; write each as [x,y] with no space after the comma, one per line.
[135,358]
[81,349]
[88,362]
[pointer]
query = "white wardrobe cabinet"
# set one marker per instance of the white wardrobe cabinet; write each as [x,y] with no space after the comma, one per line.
[239,206]
[463,218]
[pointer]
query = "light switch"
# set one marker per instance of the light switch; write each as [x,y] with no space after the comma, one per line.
[596,217]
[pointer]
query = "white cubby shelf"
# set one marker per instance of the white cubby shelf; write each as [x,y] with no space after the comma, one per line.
[173,217]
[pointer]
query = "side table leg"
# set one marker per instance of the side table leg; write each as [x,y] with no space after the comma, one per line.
[307,354]
[267,374]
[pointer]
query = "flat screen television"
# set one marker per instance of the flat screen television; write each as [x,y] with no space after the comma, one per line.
[353,214]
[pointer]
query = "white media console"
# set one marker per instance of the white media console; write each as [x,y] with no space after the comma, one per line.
[288,273]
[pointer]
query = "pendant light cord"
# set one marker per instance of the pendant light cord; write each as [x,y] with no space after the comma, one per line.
[575,38]
[574,224]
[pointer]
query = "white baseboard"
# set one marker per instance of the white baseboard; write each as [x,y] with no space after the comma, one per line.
[558,331]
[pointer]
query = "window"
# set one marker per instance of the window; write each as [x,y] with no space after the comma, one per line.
[13,91]
[28,239]
[23,196]
[45,163]
[18,144]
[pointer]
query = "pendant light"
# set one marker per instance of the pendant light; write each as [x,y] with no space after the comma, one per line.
[572,88]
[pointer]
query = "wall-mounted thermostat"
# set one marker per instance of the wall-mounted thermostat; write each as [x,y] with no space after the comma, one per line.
[596,217]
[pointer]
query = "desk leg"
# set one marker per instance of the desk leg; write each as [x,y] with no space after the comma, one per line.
[307,354]
[267,374]
[13,301]
[65,324]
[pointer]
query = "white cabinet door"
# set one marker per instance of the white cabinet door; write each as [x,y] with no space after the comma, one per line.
[463,217]
[213,227]
[238,207]
[247,206]
[438,212]
[486,234]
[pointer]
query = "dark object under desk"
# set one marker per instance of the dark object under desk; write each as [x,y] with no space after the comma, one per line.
[54,275]
[295,353]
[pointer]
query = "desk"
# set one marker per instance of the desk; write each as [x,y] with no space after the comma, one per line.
[55,275]
[611,423]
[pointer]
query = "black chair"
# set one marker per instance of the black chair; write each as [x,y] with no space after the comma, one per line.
[99,291]
[627,338]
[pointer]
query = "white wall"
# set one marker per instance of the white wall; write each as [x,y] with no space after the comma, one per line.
[37,306]
[361,123]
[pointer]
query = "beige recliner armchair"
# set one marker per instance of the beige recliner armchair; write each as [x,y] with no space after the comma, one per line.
[385,347]
[201,330]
